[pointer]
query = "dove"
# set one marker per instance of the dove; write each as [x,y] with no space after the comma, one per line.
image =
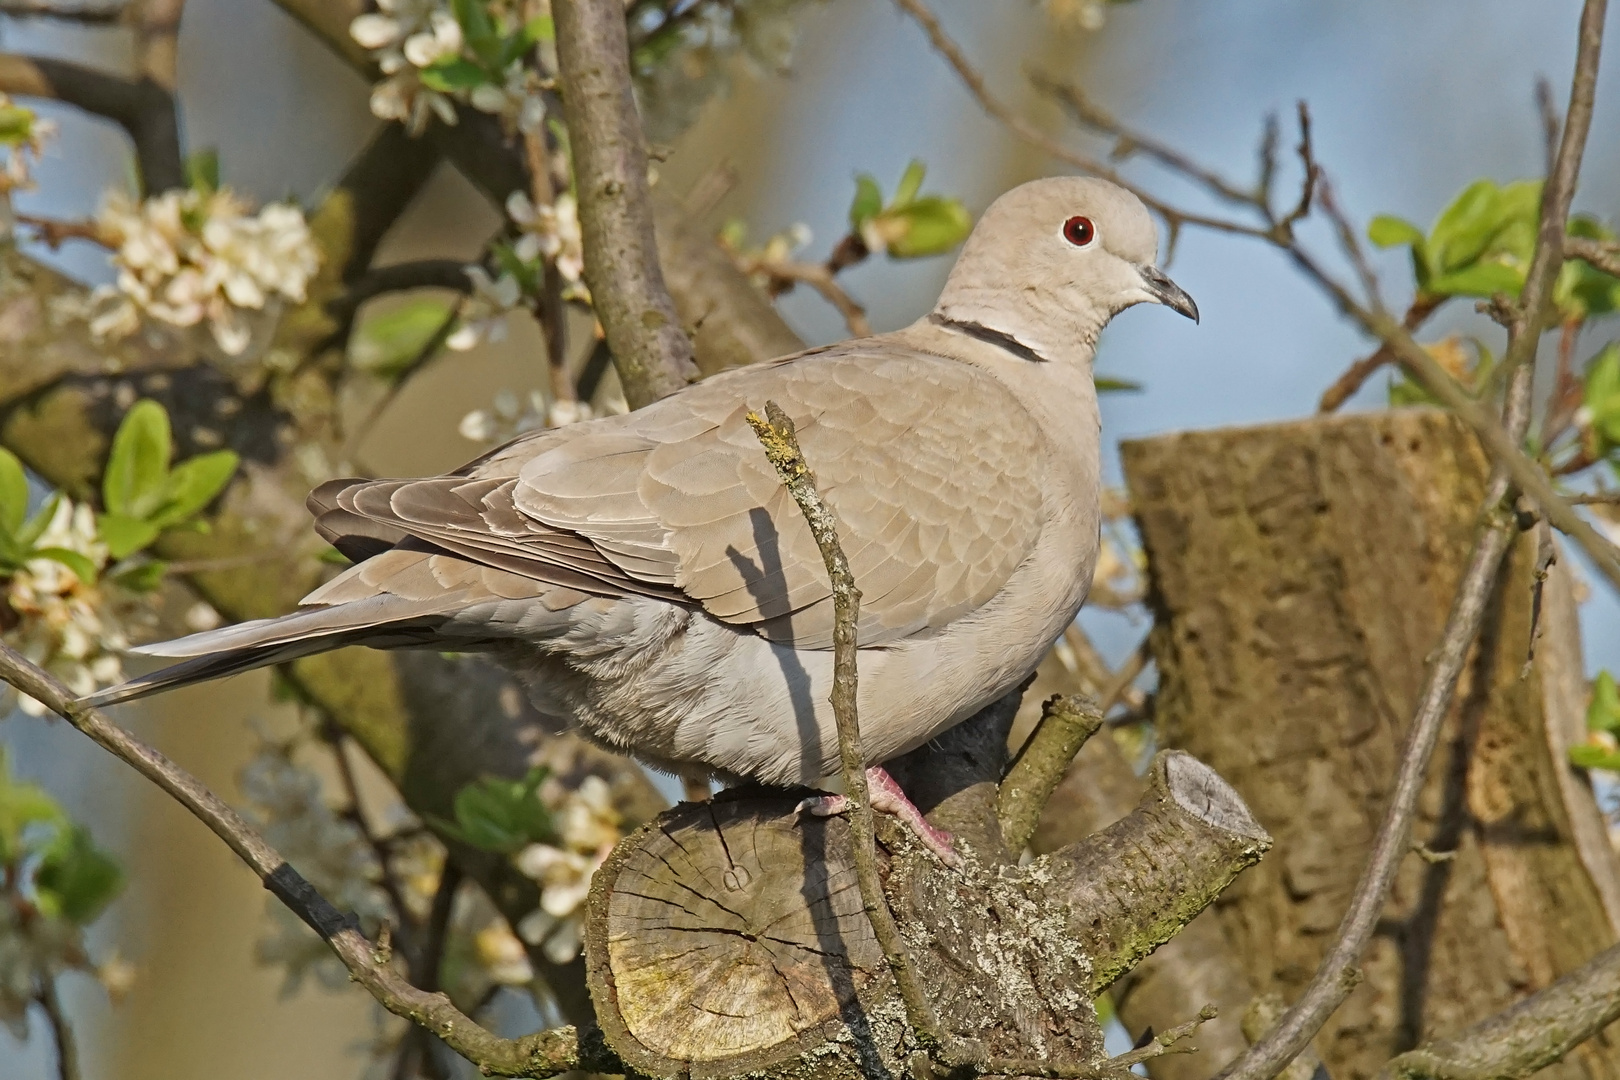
[648,578]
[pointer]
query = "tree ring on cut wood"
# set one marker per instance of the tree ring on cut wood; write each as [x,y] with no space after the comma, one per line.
[723,936]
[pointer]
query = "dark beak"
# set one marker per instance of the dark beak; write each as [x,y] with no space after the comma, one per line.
[1168,292]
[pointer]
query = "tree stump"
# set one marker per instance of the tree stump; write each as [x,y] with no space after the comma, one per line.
[1301,574]
[729,938]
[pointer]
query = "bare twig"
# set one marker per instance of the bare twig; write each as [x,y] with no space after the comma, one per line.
[650,349]
[1115,1068]
[549,309]
[67,1048]
[776,434]
[784,274]
[1018,125]
[1551,122]
[1065,725]
[1594,498]
[143,109]
[1599,255]
[53,233]
[542,1054]
[1526,1038]
[1346,385]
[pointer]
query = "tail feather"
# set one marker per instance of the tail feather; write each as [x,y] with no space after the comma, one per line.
[383,621]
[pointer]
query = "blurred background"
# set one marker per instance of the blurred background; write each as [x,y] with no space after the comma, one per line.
[1411,102]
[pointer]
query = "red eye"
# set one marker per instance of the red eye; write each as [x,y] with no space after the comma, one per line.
[1079,231]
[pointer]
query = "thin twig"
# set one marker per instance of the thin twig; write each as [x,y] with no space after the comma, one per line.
[1594,498]
[1065,725]
[785,273]
[1019,126]
[67,1048]
[1115,1068]
[1598,254]
[549,309]
[1346,385]
[650,349]
[53,232]
[776,434]
[542,1054]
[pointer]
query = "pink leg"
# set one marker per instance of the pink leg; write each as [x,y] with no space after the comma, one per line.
[887,798]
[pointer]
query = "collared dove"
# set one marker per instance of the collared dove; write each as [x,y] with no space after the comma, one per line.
[648,577]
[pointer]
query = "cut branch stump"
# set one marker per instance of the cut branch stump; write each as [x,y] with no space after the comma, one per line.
[728,938]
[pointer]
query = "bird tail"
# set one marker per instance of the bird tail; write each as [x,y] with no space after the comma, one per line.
[382,621]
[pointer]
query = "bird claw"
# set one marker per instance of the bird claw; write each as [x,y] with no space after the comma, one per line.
[887,798]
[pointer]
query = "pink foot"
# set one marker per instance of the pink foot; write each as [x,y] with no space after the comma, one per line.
[887,798]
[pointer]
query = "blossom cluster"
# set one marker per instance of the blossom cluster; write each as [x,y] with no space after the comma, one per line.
[190,256]
[428,66]
[73,628]
[588,826]
[508,418]
[544,232]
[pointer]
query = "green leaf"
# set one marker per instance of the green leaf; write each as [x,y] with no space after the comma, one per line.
[1594,757]
[35,527]
[21,805]
[1481,279]
[202,171]
[474,18]
[13,493]
[910,183]
[1601,395]
[1108,385]
[934,225]
[193,485]
[868,202]
[448,76]
[76,879]
[388,343]
[141,577]
[1464,228]
[502,816]
[1386,230]
[125,535]
[82,568]
[138,466]
[1603,714]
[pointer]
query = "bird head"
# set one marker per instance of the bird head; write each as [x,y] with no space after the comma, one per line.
[1051,261]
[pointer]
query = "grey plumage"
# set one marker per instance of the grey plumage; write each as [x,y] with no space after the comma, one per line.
[647,575]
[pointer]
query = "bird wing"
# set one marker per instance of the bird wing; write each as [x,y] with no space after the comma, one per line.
[928,463]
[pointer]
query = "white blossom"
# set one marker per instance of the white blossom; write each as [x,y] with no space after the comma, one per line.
[483,313]
[588,826]
[75,629]
[187,257]
[507,418]
[552,231]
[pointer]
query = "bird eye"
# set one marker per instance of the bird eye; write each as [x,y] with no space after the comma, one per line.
[1079,231]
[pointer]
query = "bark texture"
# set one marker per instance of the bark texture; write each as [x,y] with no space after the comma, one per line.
[1301,574]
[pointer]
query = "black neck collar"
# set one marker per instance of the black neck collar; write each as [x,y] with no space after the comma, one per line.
[990,336]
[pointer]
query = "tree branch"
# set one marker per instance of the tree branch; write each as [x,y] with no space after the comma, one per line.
[144,109]
[544,1054]
[1599,255]
[651,351]
[157,41]
[1345,386]
[1065,725]
[1526,1038]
